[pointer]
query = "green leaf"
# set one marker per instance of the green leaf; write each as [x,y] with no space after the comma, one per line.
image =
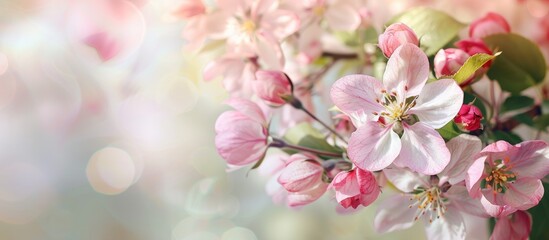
[449,131]
[524,118]
[545,107]
[521,64]
[516,103]
[306,135]
[542,122]
[470,66]
[539,217]
[434,28]
[507,136]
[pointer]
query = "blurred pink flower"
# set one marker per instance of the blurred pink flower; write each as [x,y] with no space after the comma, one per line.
[394,36]
[440,200]
[448,61]
[273,87]
[491,23]
[339,15]
[238,73]
[356,187]
[241,134]
[506,178]
[190,8]
[516,226]
[469,117]
[382,111]
[105,46]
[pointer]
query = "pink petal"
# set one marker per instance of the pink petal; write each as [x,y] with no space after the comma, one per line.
[281,23]
[459,197]
[405,180]
[407,71]
[269,51]
[516,226]
[438,103]
[495,210]
[243,144]
[301,175]
[373,147]
[524,193]
[346,185]
[532,159]
[105,46]
[248,108]
[394,214]
[448,227]
[474,173]
[462,149]
[261,7]
[423,150]
[302,198]
[342,17]
[357,94]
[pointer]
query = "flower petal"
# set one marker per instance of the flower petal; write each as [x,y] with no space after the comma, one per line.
[407,71]
[460,198]
[474,173]
[269,51]
[516,227]
[524,193]
[495,210]
[248,108]
[297,199]
[423,150]
[357,95]
[532,159]
[243,144]
[450,226]
[342,17]
[394,214]
[373,147]
[406,180]
[281,23]
[301,175]
[438,103]
[462,149]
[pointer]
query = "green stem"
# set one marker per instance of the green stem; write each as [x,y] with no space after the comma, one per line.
[281,144]
[298,105]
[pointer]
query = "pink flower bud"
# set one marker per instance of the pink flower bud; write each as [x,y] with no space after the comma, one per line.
[491,23]
[468,117]
[472,47]
[515,226]
[448,61]
[273,87]
[356,187]
[301,175]
[394,36]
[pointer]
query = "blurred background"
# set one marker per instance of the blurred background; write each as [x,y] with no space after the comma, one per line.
[118,144]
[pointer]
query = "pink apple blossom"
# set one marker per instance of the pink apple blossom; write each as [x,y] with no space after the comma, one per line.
[273,87]
[356,187]
[237,71]
[439,200]
[448,61]
[506,178]
[301,175]
[516,226]
[241,134]
[469,117]
[394,36]
[397,118]
[339,15]
[491,23]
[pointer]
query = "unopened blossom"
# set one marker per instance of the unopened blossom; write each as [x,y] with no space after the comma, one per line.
[448,61]
[506,178]
[355,188]
[516,226]
[438,200]
[491,23]
[469,117]
[474,46]
[394,36]
[241,134]
[302,179]
[397,118]
[273,87]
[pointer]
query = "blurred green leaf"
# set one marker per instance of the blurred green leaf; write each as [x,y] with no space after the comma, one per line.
[449,131]
[306,135]
[545,107]
[434,28]
[542,122]
[516,102]
[539,217]
[470,66]
[507,136]
[521,64]
[525,118]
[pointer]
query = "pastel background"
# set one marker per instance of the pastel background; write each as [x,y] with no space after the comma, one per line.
[118,144]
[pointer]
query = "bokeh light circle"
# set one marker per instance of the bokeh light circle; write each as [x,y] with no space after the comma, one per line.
[111,171]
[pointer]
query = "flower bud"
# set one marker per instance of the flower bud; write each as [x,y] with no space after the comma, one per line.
[491,23]
[394,36]
[301,175]
[273,87]
[472,46]
[356,187]
[448,61]
[468,117]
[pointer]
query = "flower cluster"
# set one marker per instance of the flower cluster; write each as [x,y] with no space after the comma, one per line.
[408,115]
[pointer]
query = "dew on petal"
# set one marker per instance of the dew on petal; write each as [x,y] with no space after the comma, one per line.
[111,171]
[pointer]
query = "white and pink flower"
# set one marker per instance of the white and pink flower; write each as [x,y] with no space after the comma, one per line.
[396,118]
[516,226]
[356,187]
[506,178]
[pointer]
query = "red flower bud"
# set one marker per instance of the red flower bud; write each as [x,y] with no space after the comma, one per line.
[468,117]
[448,61]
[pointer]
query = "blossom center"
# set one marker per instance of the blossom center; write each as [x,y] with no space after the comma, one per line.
[428,201]
[499,176]
[319,10]
[248,26]
[395,110]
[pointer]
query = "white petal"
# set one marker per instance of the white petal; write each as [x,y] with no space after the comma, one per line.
[438,103]
[462,149]
[407,71]
[448,227]
[394,214]
[373,147]
[405,180]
